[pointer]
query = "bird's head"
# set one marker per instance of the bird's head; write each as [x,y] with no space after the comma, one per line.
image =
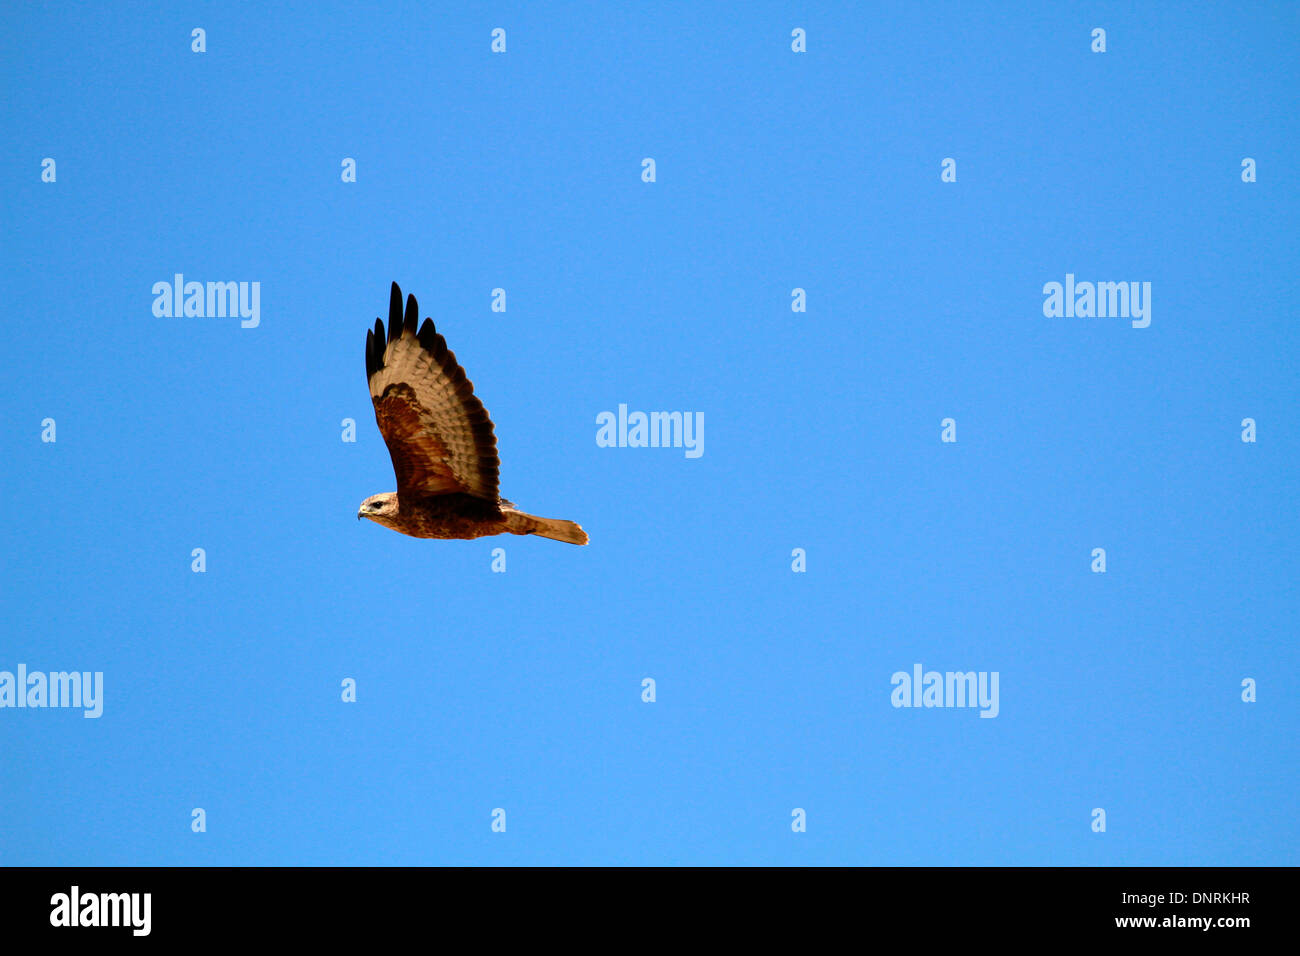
[379,508]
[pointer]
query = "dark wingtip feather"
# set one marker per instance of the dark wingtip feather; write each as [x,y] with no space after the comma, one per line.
[375,349]
[427,334]
[412,314]
[394,311]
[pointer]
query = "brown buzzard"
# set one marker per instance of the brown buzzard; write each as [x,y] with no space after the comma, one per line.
[440,438]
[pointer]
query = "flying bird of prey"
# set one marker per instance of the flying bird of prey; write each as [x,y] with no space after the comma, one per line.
[441,440]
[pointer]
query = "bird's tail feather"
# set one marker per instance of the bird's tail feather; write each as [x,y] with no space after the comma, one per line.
[555,528]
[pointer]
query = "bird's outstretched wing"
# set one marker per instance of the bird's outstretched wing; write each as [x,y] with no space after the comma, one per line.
[438,433]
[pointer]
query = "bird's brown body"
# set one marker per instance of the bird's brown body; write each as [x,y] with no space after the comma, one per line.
[440,439]
[444,516]
[458,516]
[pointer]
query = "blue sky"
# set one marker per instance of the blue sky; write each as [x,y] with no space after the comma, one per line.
[775,170]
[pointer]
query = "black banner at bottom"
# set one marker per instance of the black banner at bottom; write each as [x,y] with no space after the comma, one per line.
[89,905]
